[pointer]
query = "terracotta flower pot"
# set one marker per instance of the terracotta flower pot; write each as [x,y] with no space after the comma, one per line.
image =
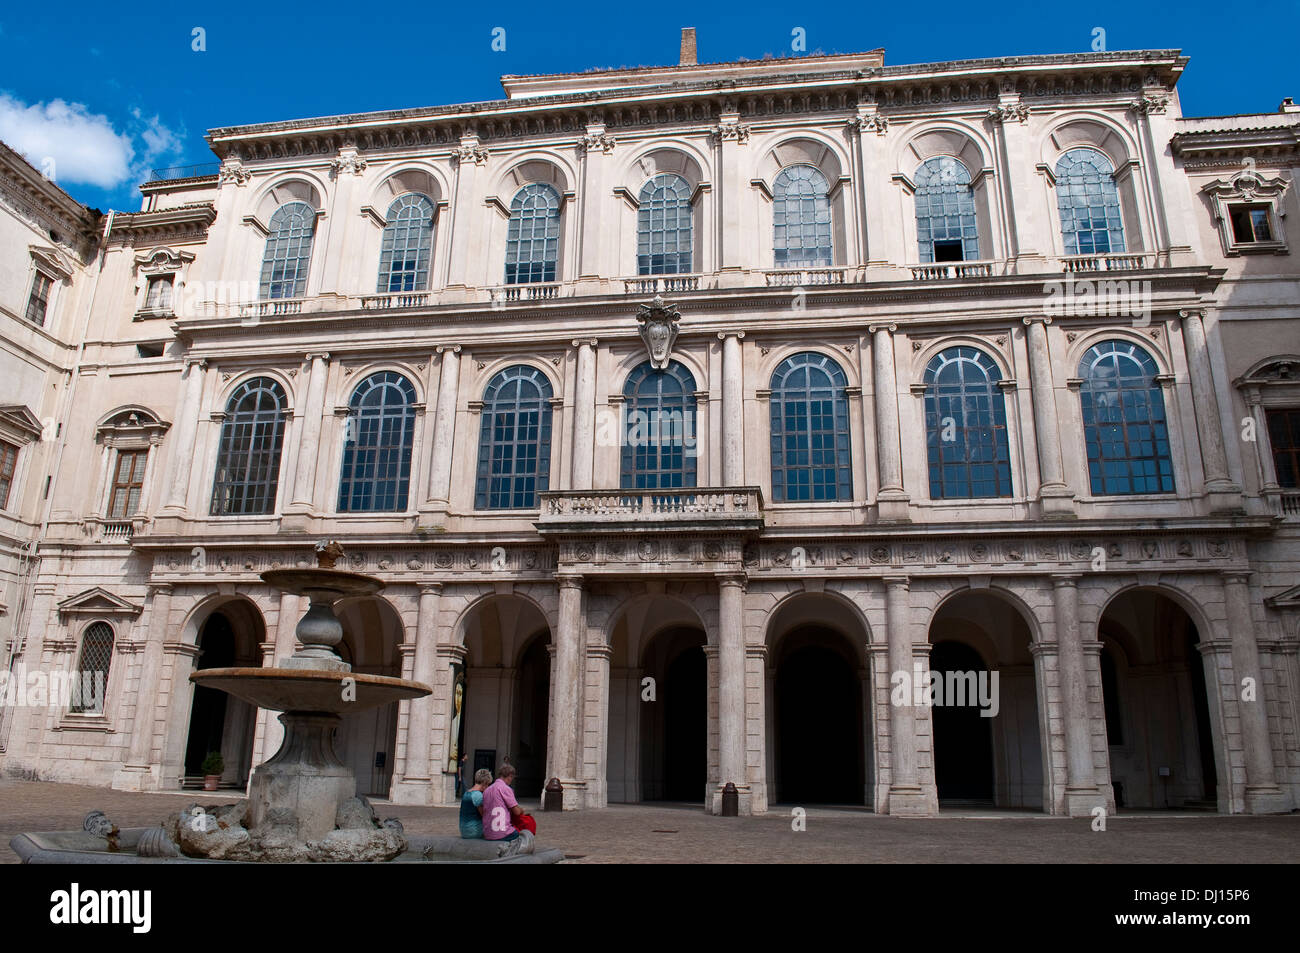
[210,781]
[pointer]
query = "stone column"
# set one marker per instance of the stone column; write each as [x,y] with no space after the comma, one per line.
[416,786]
[313,413]
[1265,464]
[906,794]
[733,415]
[1054,493]
[891,498]
[1223,494]
[444,430]
[286,641]
[1263,796]
[731,691]
[584,416]
[567,685]
[187,426]
[1081,791]
[139,773]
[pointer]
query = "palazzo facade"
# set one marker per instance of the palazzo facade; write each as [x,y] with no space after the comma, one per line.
[692,416]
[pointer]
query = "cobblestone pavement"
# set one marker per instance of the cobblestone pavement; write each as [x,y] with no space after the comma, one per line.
[685,834]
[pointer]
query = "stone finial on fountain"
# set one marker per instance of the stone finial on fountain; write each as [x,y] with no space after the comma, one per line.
[328,552]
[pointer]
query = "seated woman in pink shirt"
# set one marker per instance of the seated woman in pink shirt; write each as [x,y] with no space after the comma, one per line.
[499,811]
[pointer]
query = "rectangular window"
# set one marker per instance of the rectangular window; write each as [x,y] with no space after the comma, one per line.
[159,296]
[1284,437]
[39,299]
[1250,223]
[8,463]
[128,481]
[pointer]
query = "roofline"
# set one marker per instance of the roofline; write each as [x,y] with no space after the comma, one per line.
[679,67]
[1171,59]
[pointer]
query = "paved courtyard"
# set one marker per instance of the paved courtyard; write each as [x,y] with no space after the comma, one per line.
[684,834]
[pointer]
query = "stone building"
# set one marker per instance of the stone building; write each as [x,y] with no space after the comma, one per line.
[691,415]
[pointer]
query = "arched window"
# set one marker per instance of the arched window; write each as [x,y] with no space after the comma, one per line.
[801,219]
[533,238]
[248,455]
[1089,203]
[945,212]
[659,444]
[377,437]
[663,226]
[1124,422]
[407,244]
[810,431]
[288,251]
[966,426]
[90,680]
[514,449]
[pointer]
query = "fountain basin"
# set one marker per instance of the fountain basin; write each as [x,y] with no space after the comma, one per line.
[81,847]
[307,689]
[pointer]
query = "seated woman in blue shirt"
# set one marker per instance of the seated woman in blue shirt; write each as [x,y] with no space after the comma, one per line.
[471,805]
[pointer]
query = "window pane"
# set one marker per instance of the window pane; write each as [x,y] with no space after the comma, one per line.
[532,239]
[1089,203]
[659,438]
[378,435]
[248,455]
[288,251]
[946,227]
[406,245]
[1125,431]
[966,426]
[809,431]
[514,460]
[801,217]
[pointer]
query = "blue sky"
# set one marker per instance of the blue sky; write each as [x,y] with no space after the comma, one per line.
[109,97]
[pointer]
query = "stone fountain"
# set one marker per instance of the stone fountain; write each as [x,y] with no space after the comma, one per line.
[302,803]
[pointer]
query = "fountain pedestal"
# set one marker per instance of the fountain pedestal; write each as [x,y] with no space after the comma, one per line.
[305,781]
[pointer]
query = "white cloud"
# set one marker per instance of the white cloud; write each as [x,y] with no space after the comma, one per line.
[85,146]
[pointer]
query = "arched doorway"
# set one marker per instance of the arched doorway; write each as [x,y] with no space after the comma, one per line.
[658,726]
[986,741]
[818,734]
[1157,708]
[367,740]
[506,706]
[532,716]
[228,637]
[674,722]
[963,739]
[819,722]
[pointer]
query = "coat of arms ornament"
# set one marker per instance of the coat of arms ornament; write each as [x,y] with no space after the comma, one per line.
[658,330]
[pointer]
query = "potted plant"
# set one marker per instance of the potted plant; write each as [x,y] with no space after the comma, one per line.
[212,768]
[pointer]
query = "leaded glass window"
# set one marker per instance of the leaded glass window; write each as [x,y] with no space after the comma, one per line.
[514,458]
[810,431]
[659,443]
[90,680]
[1089,203]
[801,219]
[377,437]
[248,455]
[288,251]
[966,426]
[39,299]
[946,229]
[663,226]
[533,237]
[1124,423]
[406,245]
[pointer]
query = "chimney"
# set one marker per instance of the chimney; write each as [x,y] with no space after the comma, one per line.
[1288,104]
[688,46]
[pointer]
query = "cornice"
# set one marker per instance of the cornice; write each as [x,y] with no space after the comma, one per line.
[174,224]
[976,82]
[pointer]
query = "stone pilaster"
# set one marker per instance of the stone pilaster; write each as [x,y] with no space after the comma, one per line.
[1263,795]
[309,431]
[907,796]
[891,499]
[733,418]
[584,416]
[1223,495]
[187,426]
[416,786]
[140,772]
[1082,793]
[1055,495]
[562,756]
[731,691]
[444,431]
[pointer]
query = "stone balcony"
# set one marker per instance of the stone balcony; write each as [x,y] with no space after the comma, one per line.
[687,510]
[641,286]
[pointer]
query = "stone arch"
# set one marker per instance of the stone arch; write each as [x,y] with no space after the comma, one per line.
[373,633]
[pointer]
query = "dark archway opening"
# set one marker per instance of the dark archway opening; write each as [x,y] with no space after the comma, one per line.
[818,701]
[963,739]
[208,714]
[534,705]
[675,732]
